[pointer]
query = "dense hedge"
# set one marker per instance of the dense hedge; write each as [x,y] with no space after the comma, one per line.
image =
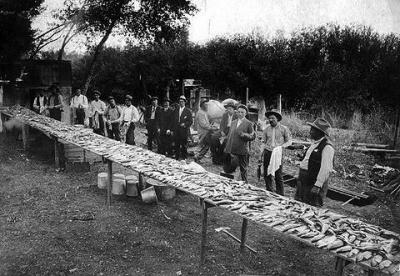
[330,67]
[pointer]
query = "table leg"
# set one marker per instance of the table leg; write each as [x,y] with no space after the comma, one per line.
[109,163]
[203,231]
[56,155]
[25,136]
[243,237]
[371,272]
[340,264]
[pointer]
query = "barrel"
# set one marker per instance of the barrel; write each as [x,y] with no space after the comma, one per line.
[102,180]
[132,185]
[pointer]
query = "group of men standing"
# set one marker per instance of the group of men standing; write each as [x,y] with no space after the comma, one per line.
[236,132]
[170,129]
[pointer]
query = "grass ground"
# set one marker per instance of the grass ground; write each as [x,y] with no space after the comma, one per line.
[41,232]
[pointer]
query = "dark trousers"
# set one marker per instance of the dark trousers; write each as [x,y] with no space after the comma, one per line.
[99,130]
[165,144]
[152,134]
[114,132]
[271,180]
[243,163]
[55,113]
[303,191]
[181,143]
[80,116]
[130,134]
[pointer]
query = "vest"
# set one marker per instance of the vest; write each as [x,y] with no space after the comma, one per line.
[56,99]
[37,102]
[314,163]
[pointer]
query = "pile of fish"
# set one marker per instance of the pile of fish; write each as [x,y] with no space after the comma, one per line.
[366,244]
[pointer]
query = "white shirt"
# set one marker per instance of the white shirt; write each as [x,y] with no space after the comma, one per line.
[326,162]
[41,101]
[153,113]
[229,120]
[180,112]
[79,100]
[98,106]
[130,114]
[239,122]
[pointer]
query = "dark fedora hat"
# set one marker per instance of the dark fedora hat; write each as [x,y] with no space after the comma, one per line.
[97,92]
[244,107]
[274,112]
[321,124]
[204,101]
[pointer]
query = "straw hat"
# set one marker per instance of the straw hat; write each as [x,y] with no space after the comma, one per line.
[274,112]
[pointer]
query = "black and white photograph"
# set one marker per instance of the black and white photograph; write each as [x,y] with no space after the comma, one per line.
[200,137]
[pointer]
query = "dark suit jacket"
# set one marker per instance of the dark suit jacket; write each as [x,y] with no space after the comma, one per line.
[186,119]
[224,122]
[147,115]
[165,120]
[239,137]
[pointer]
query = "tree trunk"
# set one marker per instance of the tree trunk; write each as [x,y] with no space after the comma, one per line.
[97,51]
[66,40]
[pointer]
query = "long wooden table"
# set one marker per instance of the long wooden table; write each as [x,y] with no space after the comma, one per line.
[372,247]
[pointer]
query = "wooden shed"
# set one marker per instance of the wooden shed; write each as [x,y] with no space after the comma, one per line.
[21,81]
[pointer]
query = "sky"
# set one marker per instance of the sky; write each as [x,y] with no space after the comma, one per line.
[270,17]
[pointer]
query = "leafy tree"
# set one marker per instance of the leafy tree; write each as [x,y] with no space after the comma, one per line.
[141,20]
[16,33]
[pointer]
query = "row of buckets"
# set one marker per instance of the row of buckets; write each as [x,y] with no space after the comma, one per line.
[150,191]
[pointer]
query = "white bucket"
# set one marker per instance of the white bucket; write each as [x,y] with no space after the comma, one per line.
[118,176]
[118,186]
[132,185]
[149,195]
[102,180]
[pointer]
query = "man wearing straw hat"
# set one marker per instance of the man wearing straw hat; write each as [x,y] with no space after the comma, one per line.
[275,137]
[312,183]
[182,121]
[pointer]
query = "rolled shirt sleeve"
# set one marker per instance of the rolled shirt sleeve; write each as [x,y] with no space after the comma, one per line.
[326,165]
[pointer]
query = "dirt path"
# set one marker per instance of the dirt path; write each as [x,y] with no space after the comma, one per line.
[41,234]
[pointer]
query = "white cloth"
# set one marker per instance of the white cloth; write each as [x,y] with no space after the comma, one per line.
[79,100]
[97,106]
[130,114]
[275,161]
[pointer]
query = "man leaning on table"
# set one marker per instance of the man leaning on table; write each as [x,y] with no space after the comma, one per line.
[275,137]
[312,183]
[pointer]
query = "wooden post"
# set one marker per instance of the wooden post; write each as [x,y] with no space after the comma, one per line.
[109,185]
[247,96]
[56,154]
[203,231]
[1,95]
[396,131]
[279,103]
[243,237]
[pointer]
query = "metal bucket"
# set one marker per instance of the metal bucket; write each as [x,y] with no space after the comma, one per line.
[132,185]
[118,187]
[149,195]
[102,179]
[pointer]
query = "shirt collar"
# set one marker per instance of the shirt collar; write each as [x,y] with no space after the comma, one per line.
[318,141]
